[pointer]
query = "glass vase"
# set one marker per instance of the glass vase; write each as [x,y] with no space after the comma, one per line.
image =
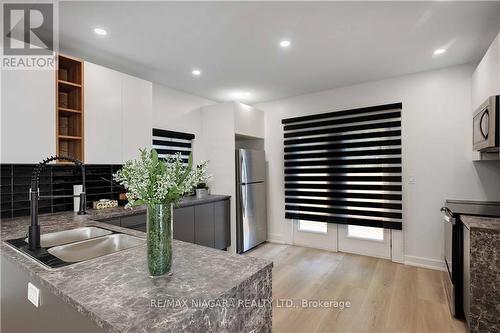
[159,239]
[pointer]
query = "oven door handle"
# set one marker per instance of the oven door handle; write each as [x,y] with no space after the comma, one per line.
[448,215]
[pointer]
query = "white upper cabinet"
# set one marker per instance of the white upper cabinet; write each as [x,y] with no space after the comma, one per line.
[248,121]
[118,115]
[486,77]
[137,113]
[103,115]
[28,115]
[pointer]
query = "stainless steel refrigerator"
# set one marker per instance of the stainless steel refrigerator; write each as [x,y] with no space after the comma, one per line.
[251,212]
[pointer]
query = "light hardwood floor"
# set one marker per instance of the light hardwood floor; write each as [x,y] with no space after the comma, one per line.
[384,296]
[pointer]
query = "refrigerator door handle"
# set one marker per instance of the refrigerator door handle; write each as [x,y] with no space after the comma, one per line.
[243,199]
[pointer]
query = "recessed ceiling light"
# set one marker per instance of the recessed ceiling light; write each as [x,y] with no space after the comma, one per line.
[196,72]
[285,43]
[439,51]
[240,94]
[100,31]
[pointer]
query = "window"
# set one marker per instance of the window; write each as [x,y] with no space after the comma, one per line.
[310,226]
[170,143]
[367,233]
[344,167]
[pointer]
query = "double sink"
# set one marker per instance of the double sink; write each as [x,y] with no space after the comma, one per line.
[86,243]
[76,245]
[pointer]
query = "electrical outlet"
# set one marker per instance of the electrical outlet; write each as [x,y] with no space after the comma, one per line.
[33,294]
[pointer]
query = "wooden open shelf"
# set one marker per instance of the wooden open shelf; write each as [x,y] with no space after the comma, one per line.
[68,83]
[69,107]
[63,110]
[70,137]
[70,70]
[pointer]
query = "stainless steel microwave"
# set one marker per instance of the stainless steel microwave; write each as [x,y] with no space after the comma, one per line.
[486,128]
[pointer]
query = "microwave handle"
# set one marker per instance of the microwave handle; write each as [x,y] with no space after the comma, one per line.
[485,113]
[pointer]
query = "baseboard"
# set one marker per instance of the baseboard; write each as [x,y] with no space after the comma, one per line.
[275,238]
[425,263]
[275,241]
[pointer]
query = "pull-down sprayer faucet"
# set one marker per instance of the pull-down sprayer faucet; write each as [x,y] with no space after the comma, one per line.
[34,229]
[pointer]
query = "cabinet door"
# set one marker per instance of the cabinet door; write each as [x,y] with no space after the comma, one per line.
[222,235]
[133,221]
[103,114]
[137,95]
[28,117]
[184,224]
[204,224]
[114,221]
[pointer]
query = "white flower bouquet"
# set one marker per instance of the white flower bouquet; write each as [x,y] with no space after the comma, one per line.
[201,174]
[158,183]
[150,180]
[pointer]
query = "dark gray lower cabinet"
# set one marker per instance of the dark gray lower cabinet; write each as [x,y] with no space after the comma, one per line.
[114,221]
[133,221]
[52,315]
[204,224]
[137,222]
[184,224]
[222,216]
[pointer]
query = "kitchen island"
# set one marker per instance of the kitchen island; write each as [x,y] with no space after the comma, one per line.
[209,290]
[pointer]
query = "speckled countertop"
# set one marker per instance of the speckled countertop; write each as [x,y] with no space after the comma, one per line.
[193,200]
[115,291]
[491,224]
[109,213]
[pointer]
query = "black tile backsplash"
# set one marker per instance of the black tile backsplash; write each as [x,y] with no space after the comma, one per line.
[55,179]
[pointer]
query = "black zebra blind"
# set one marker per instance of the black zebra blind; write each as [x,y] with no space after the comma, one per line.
[345,167]
[170,143]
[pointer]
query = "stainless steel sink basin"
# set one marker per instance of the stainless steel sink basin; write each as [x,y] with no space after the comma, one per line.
[93,248]
[71,236]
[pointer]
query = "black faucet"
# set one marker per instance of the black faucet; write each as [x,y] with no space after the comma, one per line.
[34,229]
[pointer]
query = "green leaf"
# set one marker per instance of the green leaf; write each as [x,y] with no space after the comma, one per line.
[188,169]
[190,161]
[154,156]
[138,202]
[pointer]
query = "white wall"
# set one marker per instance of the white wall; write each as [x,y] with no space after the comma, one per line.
[437,145]
[219,145]
[178,111]
[486,77]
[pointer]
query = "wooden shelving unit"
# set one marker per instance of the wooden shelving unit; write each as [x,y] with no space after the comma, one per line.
[69,107]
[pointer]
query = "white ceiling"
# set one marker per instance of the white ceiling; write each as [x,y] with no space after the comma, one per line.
[236,44]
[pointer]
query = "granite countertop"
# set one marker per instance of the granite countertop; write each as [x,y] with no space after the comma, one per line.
[193,200]
[491,224]
[116,292]
[108,213]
